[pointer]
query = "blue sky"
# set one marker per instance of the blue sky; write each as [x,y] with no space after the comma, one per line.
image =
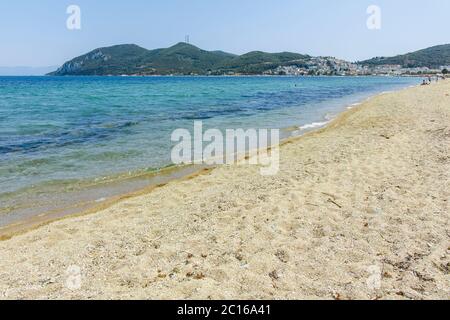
[34,33]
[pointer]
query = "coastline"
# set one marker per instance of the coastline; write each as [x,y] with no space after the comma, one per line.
[364,198]
[155,179]
[152,180]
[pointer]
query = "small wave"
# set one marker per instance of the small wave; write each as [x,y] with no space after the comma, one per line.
[353,105]
[313,125]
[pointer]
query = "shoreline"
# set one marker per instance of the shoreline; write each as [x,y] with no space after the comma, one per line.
[158,178]
[174,172]
[359,210]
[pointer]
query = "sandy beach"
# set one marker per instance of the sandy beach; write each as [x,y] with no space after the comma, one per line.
[359,210]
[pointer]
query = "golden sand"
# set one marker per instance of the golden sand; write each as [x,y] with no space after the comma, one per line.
[359,210]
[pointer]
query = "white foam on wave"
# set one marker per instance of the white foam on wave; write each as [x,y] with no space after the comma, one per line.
[356,104]
[313,125]
[353,105]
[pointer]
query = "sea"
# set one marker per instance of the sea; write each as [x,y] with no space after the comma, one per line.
[68,143]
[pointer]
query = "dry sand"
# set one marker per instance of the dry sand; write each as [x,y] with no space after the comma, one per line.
[359,210]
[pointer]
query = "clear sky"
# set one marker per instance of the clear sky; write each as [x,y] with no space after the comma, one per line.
[34,33]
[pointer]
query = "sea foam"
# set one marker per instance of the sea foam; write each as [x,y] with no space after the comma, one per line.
[313,125]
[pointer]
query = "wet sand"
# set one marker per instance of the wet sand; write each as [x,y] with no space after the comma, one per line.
[359,210]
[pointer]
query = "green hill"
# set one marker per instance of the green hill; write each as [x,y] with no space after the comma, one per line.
[433,57]
[257,62]
[181,58]
[186,59]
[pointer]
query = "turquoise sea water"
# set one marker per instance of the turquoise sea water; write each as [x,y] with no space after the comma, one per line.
[56,133]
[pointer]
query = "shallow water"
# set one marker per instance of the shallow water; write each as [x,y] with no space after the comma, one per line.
[61,135]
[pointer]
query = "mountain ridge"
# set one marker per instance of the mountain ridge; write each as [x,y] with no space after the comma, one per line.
[432,57]
[187,59]
[181,58]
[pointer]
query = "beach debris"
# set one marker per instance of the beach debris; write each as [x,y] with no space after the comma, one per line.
[155,239]
[332,199]
[329,195]
[197,275]
[337,296]
[445,268]
[282,256]
[335,203]
[311,204]
[239,256]
[274,275]
[423,277]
